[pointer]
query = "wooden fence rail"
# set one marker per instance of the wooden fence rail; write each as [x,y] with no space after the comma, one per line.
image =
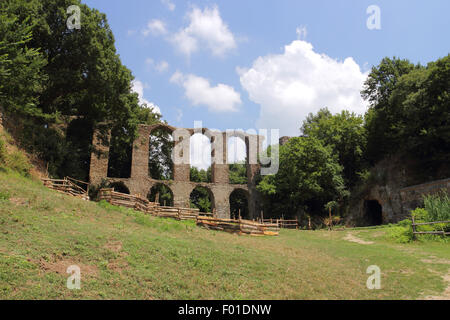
[206,220]
[415,232]
[68,186]
[282,223]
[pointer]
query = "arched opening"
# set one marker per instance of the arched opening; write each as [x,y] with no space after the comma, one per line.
[119,187]
[373,212]
[237,160]
[120,153]
[162,194]
[77,161]
[239,204]
[202,198]
[200,158]
[160,164]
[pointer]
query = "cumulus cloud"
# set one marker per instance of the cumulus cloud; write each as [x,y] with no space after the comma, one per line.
[290,85]
[169,4]
[198,90]
[138,87]
[155,27]
[206,29]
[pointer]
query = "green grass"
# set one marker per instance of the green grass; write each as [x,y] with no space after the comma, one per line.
[125,254]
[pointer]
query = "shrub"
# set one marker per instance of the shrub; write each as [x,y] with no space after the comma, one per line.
[401,234]
[437,206]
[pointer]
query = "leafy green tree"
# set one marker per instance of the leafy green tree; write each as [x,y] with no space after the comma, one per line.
[160,162]
[162,194]
[409,112]
[380,124]
[309,177]
[55,74]
[201,175]
[21,66]
[345,134]
[238,173]
[201,199]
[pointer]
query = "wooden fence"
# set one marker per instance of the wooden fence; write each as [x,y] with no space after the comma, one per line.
[206,220]
[237,226]
[69,186]
[282,223]
[144,205]
[415,232]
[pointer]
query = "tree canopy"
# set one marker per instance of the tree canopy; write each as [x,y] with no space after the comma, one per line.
[54,74]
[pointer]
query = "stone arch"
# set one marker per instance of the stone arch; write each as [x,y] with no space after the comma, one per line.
[160,147]
[198,192]
[120,154]
[200,151]
[373,212]
[119,186]
[238,168]
[239,203]
[161,193]
[79,134]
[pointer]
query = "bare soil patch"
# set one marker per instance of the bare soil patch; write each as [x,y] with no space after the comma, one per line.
[352,238]
[61,266]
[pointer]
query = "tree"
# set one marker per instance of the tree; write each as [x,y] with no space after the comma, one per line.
[409,112]
[200,199]
[201,175]
[309,177]
[345,134]
[21,66]
[380,125]
[238,173]
[160,162]
[55,74]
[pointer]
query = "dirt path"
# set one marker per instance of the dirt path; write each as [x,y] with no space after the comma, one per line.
[350,237]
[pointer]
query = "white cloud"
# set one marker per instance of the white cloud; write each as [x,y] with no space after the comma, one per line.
[236,150]
[169,4]
[206,28]
[290,85]
[155,27]
[198,90]
[200,151]
[301,32]
[162,66]
[138,87]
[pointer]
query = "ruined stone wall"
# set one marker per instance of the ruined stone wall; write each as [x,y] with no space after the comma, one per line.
[394,191]
[181,186]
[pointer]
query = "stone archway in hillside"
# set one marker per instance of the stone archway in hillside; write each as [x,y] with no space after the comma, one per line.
[373,212]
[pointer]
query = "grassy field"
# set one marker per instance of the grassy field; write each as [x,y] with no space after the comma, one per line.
[125,254]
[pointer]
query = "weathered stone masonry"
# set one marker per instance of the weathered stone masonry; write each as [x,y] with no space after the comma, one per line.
[181,186]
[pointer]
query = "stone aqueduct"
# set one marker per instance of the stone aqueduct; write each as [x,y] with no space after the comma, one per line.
[220,189]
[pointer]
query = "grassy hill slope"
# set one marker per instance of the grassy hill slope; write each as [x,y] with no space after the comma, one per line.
[125,254]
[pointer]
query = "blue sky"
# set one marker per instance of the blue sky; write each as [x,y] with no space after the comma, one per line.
[265,64]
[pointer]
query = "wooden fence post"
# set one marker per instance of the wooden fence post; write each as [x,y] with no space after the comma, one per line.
[413,227]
